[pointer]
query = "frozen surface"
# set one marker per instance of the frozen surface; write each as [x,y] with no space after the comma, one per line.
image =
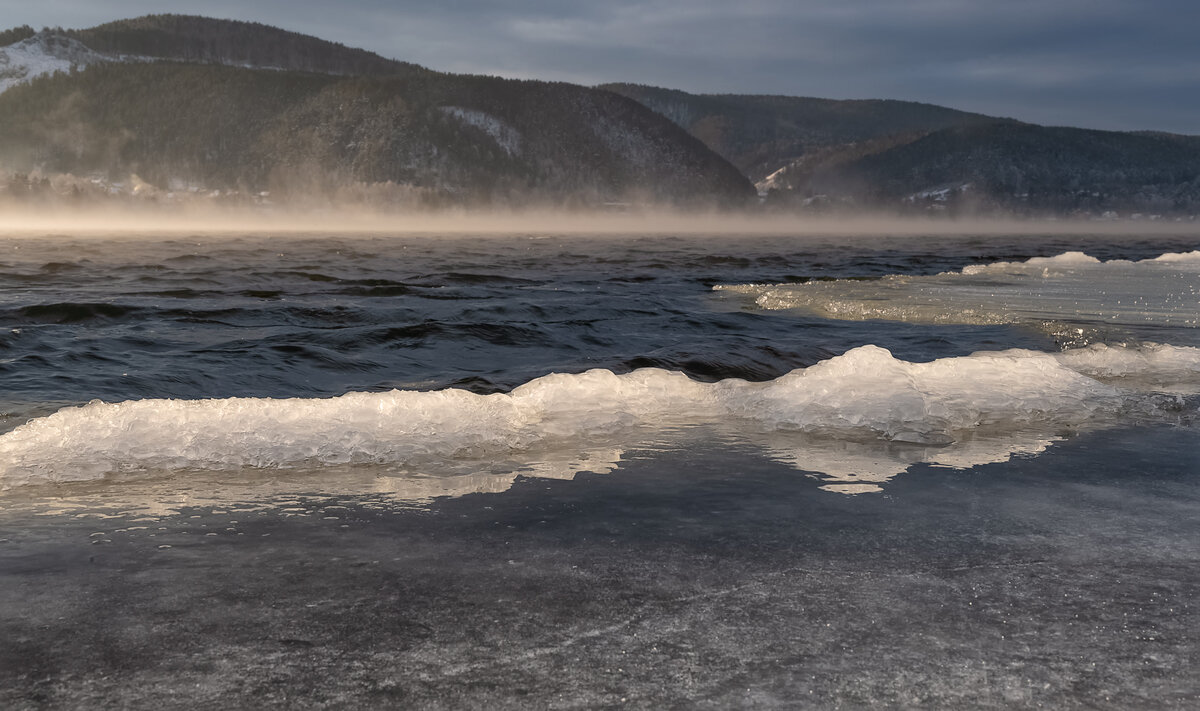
[698,578]
[865,395]
[461,532]
[1071,287]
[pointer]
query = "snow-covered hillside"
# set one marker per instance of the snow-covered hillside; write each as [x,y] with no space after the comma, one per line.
[44,53]
[505,136]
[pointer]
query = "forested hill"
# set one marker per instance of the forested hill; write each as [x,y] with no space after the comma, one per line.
[351,124]
[201,39]
[822,154]
[16,34]
[169,105]
[438,137]
[1017,166]
[761,134]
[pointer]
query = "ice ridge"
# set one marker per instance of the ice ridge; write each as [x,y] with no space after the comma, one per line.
[865,393]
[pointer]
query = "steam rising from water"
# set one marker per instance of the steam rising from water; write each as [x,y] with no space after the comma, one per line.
[632,220]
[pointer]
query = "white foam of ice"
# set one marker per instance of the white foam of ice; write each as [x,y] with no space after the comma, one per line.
[865,394]
[1072,287]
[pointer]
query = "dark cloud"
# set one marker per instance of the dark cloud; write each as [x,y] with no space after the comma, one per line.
[1121,64]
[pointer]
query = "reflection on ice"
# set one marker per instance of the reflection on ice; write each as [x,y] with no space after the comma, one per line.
[841,466]
[863,467]
[160,495]
[495,477]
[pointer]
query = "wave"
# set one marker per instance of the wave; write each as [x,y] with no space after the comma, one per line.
[1073,287]
[62,313]
[863,395]
[1080,259]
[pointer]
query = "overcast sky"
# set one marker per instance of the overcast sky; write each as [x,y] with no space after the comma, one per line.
[1115,64]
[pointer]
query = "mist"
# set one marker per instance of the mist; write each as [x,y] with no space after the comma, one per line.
[215,221]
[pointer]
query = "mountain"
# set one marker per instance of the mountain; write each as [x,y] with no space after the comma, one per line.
[819,154]
[762,134]
[186,104]
[168,106]
[188,38]
[29,56]
[1023,167]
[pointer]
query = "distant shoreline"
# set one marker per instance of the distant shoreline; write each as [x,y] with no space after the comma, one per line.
[109,222]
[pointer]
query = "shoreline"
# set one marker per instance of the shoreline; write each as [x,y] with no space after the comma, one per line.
[233,222]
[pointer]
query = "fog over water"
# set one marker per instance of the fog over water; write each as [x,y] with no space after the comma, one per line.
[631,220]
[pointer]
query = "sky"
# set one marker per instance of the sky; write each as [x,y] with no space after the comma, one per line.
[1109,64]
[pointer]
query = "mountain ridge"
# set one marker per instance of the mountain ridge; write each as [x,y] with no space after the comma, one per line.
[193,38]
[807,153]
[764,132]
[394,131]
[172,103]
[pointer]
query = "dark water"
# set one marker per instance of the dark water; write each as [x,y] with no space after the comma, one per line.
[288,316]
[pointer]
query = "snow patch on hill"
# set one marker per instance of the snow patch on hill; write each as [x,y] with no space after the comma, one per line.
[939,194]
[44,53]
[504,135]
[774,180]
